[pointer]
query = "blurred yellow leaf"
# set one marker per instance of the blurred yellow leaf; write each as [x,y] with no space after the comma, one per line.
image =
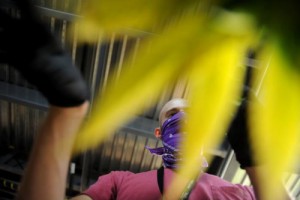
[275,119]
[152,70]
[216,82]
[164,63]
[106,16]
[216,91]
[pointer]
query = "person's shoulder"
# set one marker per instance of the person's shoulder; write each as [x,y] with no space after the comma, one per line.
[130,173]
[220,187]
[212,179]
[214,187]
[216,179]
[125,178]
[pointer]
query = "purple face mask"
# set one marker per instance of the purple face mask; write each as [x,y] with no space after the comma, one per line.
[171,138]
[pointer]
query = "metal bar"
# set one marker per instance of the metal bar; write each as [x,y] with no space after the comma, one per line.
[22,95]
[113,151]
[296,181]
[10,172]
[124,43]
[33,98]
[133,152]
[57,14]
[123,150]
[152,163]
[142,163]
[85,170]
[244,179]
[46,11]
[95,68]
[108,63]
[6,158]
[226,165]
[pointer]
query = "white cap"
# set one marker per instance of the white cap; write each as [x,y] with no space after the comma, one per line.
[177,103]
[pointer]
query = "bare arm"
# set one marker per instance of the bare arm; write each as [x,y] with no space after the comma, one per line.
[253,175]
[45,176]
[45,64]
[81,197]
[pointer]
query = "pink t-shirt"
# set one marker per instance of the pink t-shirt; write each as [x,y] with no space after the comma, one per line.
[127,185]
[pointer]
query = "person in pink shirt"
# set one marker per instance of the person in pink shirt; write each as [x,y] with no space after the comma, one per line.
[151,185]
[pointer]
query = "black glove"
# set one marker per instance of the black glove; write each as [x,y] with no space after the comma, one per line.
[27,45]
[238,137]
[238,132]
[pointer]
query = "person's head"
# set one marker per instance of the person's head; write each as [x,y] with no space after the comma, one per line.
[171,108]
[169,132]
[170,120]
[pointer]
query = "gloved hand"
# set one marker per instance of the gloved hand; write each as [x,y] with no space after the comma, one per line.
[238,137]
[28,46]
[238,132]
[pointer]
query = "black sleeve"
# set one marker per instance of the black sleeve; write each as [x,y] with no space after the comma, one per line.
[27,45]
[238,137]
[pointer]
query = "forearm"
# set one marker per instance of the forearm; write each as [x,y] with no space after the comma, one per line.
[45,176]
[252,173]
[258,181]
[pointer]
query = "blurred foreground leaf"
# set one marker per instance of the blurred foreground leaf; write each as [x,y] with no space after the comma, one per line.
[216,81]
[275,120]
[107,16]
[152,70]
